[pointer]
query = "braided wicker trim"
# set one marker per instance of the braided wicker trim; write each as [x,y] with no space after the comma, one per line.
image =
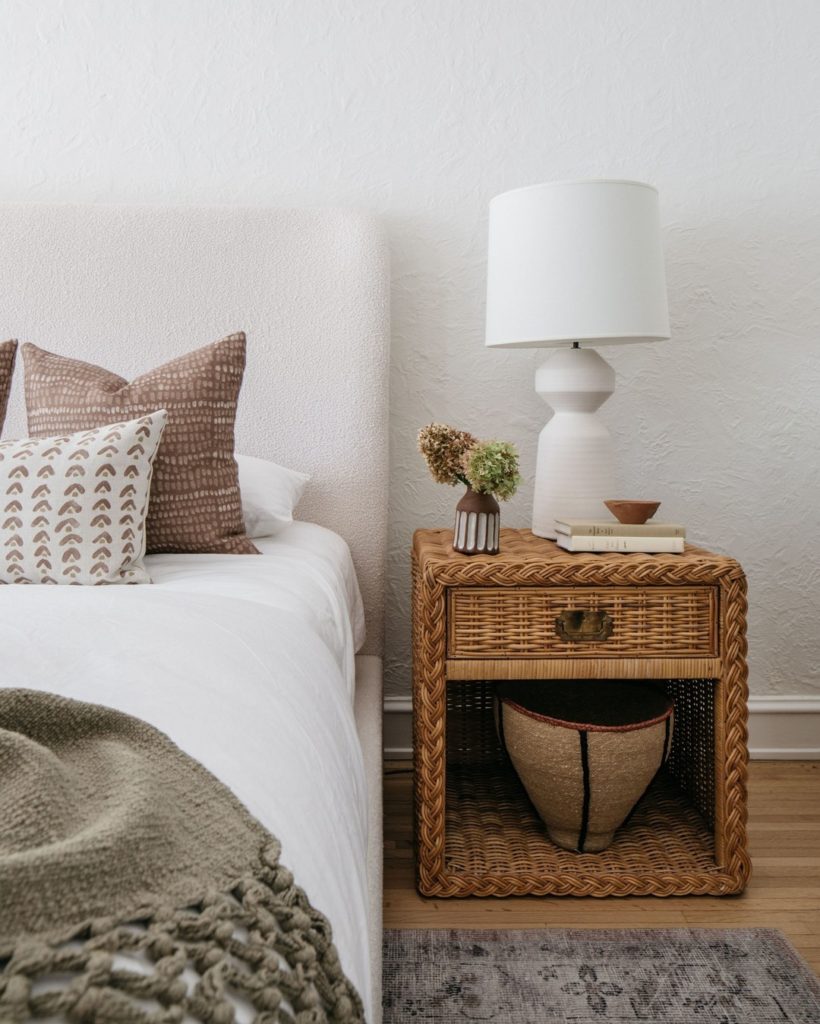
[526,559]
[261,940]
[597,886]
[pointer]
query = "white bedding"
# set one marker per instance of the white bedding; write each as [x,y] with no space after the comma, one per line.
[247,663]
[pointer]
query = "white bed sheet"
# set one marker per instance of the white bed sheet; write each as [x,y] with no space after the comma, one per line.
[247,663]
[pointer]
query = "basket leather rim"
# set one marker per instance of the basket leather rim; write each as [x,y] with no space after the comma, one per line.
[585,726]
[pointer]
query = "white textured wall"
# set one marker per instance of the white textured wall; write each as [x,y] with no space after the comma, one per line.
[424,110]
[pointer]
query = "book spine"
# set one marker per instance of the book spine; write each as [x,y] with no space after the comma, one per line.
[644,545]
[620,530]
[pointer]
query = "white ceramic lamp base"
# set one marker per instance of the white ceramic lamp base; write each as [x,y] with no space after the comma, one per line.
[575,472]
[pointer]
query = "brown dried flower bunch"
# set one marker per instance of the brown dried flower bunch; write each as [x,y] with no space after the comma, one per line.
[455,456]
[444,449]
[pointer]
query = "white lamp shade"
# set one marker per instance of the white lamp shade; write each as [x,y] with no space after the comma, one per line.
[576,261]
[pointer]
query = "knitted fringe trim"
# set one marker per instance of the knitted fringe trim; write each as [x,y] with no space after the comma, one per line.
[260,941]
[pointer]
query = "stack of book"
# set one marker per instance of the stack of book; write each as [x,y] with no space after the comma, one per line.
[610,535]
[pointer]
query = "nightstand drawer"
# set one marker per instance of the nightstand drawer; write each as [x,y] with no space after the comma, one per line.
[566,622]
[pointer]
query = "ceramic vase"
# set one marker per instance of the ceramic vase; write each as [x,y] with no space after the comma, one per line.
[478,524]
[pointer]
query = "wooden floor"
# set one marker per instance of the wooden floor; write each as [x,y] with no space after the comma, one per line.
[784,893]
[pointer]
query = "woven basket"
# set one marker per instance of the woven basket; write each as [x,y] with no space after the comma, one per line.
[585,751]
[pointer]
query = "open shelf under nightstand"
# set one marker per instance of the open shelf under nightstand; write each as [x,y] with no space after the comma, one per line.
[493,832]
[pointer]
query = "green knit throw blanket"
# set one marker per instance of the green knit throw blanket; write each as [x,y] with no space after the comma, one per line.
[134,887]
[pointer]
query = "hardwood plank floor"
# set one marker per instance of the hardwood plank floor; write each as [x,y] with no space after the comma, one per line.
[784,893]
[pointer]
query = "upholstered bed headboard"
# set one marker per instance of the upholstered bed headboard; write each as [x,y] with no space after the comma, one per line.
[131,287]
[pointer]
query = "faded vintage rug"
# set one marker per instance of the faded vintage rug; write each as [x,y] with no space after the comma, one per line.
[682,976]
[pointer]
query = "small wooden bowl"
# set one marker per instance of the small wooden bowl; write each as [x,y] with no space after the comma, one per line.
[633,513]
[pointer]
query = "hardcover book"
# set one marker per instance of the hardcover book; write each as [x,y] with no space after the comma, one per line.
[612,528]
[646,545]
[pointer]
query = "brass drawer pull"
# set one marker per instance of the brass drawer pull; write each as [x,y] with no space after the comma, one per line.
[580,626]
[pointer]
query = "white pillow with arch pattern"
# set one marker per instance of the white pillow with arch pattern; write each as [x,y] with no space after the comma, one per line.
[74,507]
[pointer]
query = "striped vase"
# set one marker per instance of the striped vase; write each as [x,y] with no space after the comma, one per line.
[478,523]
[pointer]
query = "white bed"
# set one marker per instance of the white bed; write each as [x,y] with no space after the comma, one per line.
[248,663]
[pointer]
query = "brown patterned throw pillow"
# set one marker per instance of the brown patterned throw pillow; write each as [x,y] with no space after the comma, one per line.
[8,351]
[195,502]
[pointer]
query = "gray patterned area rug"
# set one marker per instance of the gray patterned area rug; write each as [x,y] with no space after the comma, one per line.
[681,976]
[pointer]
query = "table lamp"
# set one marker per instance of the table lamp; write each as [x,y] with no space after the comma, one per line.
[571,264]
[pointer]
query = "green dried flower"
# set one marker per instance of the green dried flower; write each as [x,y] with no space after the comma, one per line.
[444,449]
[491,467]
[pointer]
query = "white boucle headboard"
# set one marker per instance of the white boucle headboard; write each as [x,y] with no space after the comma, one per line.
[131,287]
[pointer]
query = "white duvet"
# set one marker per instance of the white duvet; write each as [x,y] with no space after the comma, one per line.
[247,663]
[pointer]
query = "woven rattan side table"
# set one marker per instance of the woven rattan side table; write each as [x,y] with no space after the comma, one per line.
[678,619]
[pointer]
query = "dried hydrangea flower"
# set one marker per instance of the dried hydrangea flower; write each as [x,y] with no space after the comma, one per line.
[491,467]
[444,449]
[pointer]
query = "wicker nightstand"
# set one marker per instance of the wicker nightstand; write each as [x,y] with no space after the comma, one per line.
[680,619]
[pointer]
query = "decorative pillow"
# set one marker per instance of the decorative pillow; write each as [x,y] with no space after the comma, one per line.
[74,507]
[270,493]
[195,502]
[8,352]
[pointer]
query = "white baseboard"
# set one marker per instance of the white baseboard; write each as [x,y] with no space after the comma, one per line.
[783,728]
[398,728]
